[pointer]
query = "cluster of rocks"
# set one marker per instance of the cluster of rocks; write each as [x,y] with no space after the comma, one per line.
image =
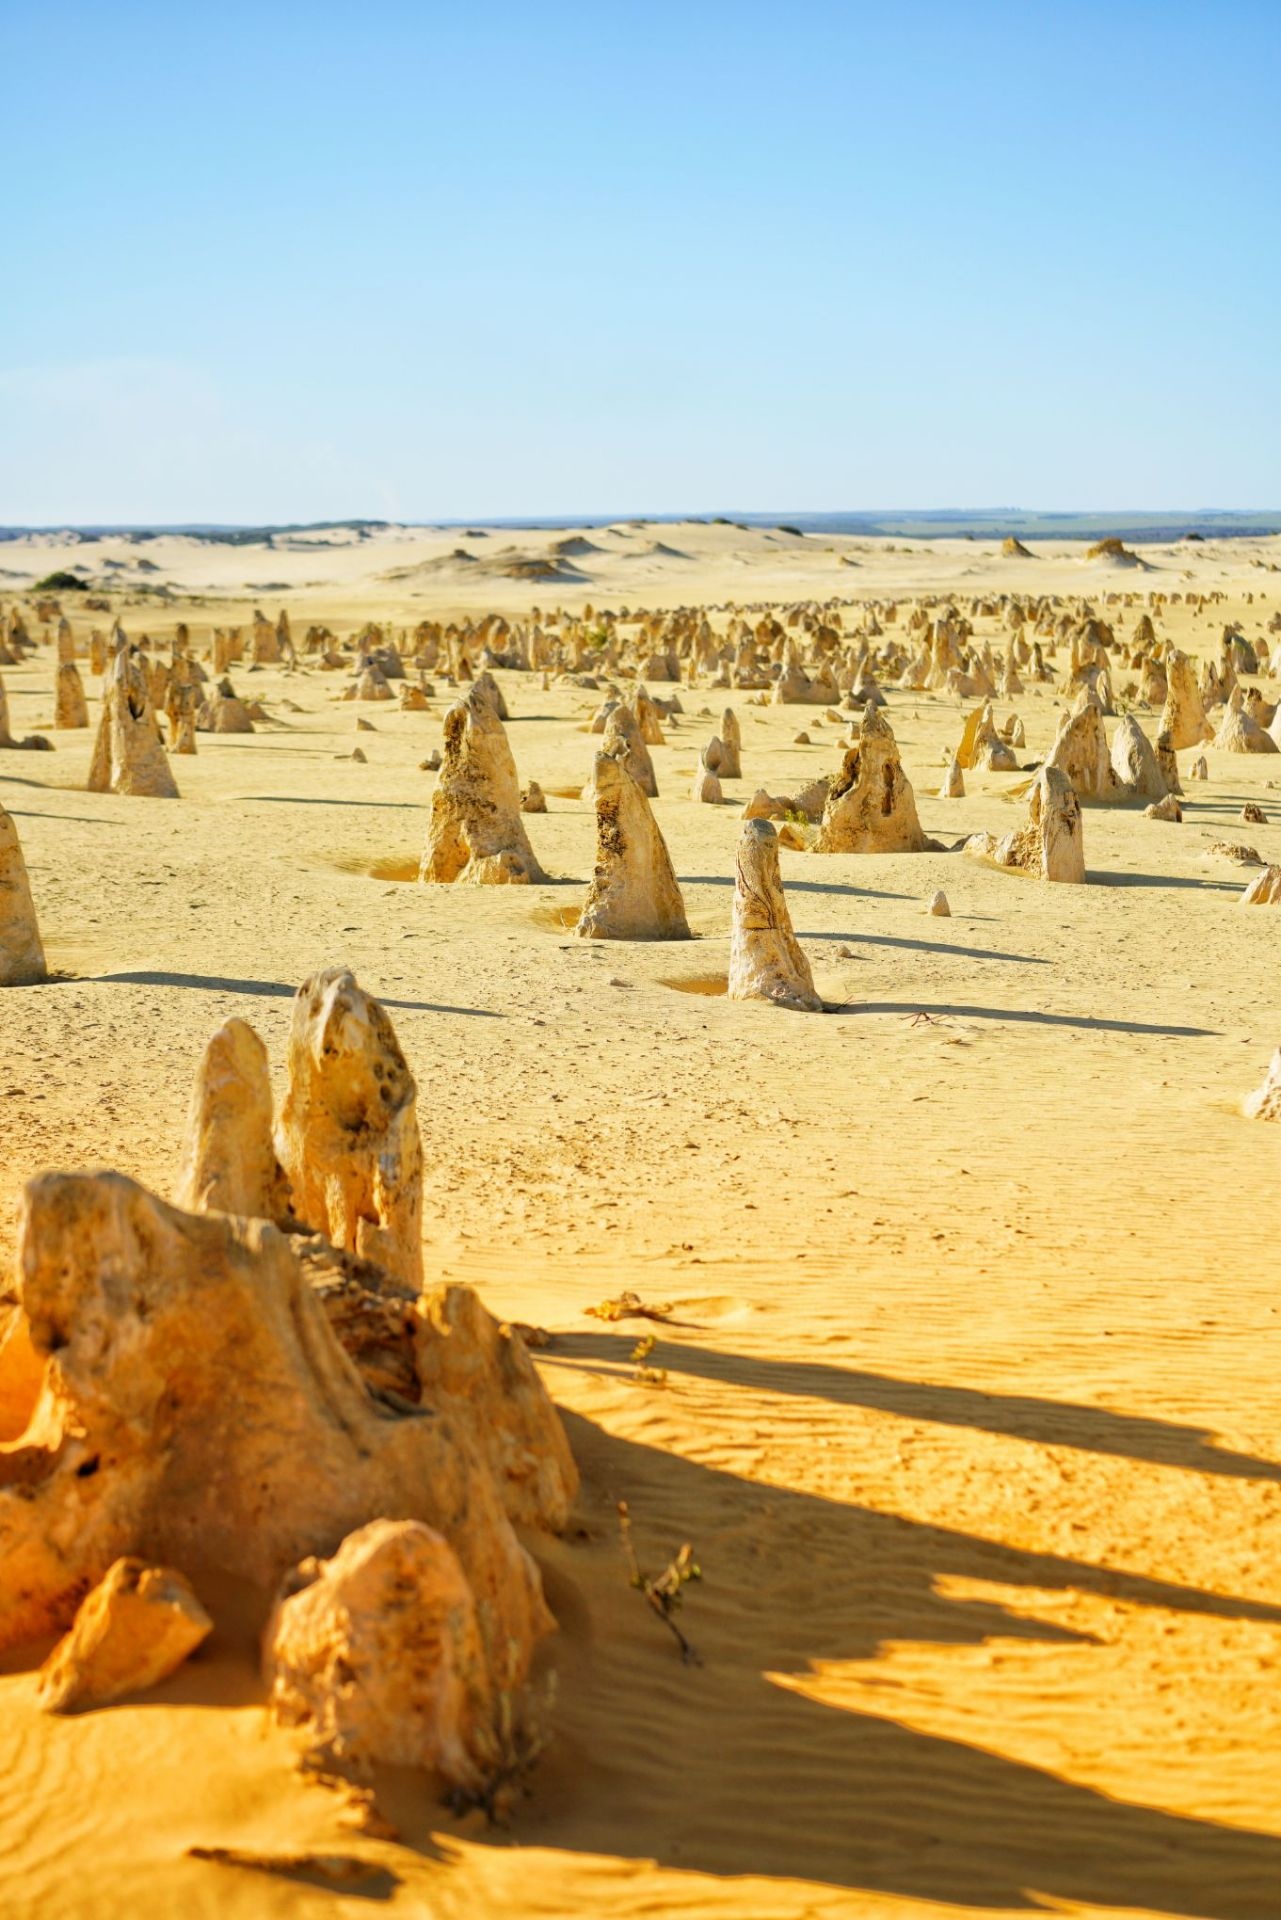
[256,1381]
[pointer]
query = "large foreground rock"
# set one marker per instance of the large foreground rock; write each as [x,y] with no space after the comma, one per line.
[197,1410]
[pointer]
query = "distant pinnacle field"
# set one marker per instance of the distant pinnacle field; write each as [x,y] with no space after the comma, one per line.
[502,1057]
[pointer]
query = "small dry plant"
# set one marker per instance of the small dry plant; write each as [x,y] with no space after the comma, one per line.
[520,1738]
[645,1375]
[665,1591]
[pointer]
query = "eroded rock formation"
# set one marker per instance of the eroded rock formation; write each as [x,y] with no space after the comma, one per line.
[229,1159]
[476,834]
[22,961]
[633,894]
[133,1630]
[870,806]
[348,1135]
[765,958]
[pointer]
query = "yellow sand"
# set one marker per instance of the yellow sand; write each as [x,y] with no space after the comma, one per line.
[971,1410]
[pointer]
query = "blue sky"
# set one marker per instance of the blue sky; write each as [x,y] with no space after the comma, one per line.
[291,262]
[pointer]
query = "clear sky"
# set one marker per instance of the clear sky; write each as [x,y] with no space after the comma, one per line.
[416,261]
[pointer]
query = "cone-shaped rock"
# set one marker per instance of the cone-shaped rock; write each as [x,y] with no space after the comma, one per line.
[633,893]
[22,961]
[127,754]
[870,805]
[765,959]
[1183,716]
[71,709]
[348,1135]
[476,833]
[623,740]
[229,1162]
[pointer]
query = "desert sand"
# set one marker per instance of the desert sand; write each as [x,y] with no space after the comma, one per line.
[964,1387]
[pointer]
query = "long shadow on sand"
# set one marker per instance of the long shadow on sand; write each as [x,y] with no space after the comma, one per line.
[269,990]
[786,1786]
[797,886]
[321,800]
[1115,878]
[926,946]
[1052,1423]
[1088,1023]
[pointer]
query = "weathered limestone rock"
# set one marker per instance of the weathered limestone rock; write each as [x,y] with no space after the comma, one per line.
[229,1159]
[731,739]
[623,741]
[223,712]
[127,754]
[377,1655]
[707,785]
[533,799]
[1200,768]
[197,1410]
[870,806]
[1253,815]
[1051,844]
[476,834]
[372,685]
[1134,762]
[982,746]
[348,1135]
[491,693]
[22,961]
[765,959]
[1080,753]
[1264,890]
[1239,733]
[633,893]
[953,787]
[1183,716]
[131,1632]
[1265,1102]
[1167,809]
[471,1366]
[765,806]
[648,718]
[71,709]
[938,905]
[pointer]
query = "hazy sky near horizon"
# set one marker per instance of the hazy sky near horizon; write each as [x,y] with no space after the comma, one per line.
[416,261]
